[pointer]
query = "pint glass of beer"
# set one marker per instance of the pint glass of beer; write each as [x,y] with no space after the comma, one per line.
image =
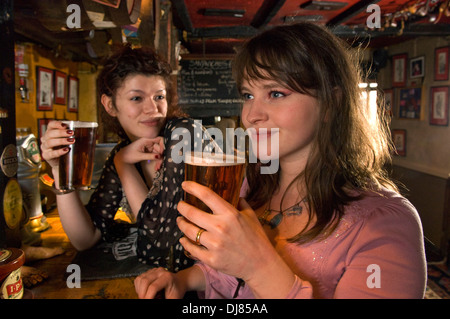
[223,173]
[76,166]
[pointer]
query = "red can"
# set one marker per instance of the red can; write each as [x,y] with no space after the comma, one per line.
[11,261]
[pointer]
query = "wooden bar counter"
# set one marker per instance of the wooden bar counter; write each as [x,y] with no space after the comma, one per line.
[55,286]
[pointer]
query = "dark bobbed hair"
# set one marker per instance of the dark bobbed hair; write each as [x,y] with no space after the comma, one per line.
[350,152]
[126,61]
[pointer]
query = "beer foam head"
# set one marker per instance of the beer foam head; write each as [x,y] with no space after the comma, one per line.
[80,124]
[213,159]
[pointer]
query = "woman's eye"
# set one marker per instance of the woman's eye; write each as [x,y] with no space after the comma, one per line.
[246,96]
[136,98]
[276,94]
[160,97]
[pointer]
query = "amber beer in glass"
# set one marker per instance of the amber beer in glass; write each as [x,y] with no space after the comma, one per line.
[223,174]
[76,166]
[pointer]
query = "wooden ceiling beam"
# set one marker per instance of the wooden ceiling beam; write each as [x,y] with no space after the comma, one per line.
[266,12]
[183,14]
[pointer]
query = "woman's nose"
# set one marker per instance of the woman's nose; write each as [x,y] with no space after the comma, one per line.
[255,112]
[150,107]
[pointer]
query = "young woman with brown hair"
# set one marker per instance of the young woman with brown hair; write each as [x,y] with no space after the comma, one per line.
[329,223]
[139,176]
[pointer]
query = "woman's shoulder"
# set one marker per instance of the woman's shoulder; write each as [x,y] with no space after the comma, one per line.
[383,199]
[377,209]
[121,143]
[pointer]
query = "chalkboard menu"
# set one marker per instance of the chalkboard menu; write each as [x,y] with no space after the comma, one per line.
[207,85]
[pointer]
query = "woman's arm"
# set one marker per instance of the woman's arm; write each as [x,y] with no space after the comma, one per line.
[386,259]
[76,221]
[74,218]
[143,150]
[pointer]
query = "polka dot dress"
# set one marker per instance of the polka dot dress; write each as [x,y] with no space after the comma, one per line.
[157,232]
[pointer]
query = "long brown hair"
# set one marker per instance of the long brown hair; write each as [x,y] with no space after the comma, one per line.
[350,151]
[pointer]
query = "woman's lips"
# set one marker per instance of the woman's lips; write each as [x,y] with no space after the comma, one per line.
[151,122]
[265,142]
[261,133]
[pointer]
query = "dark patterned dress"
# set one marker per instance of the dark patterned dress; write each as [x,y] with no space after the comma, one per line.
[154,238]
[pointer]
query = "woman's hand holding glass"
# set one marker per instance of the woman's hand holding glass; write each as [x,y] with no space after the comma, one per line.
[53,142]
[233,241]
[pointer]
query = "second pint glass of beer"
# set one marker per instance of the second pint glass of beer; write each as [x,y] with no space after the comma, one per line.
[222,173]
[76,166]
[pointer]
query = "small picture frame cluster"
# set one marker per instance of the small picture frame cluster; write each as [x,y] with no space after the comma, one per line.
[408,100]
[405,101]
[56,87]
[439,101]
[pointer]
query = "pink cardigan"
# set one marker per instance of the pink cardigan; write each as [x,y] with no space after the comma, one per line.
[376,251]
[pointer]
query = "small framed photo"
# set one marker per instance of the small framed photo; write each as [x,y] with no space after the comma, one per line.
[439,106]
[42,127]
[44,92]
[417,67]
[399,70]
[72,103]
[410,101]
[441,64]
[399,139]
[389,101]
[60,87]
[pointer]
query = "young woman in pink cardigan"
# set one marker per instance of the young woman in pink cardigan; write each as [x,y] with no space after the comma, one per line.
[329,223]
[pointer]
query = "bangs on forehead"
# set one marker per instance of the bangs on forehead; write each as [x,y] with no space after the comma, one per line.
[261,67]
[259,63]
[257,60]
[257,67]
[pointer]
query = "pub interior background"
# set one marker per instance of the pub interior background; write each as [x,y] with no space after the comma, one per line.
[198,38]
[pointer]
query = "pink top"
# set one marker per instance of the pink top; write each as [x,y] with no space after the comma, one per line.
[376,251]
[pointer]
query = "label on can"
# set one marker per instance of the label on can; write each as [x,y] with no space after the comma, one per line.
[9,161]
[12,204]
[12,287]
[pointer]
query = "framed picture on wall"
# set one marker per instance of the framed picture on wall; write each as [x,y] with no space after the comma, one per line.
[42,127]
[399,139]
[441,64]
[44,89]
[410,103]
[72,103]
[389,101]
[439,106]
[399,70]
[60,87]
[417,67]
